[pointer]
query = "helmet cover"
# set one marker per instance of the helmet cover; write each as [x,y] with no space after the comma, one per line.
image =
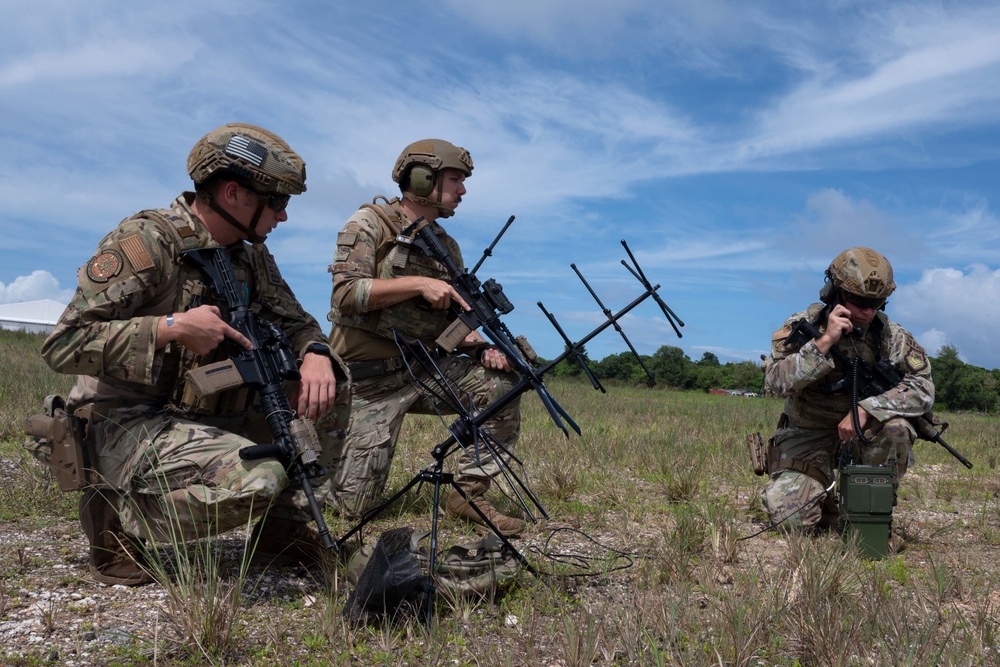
[862,272]
[251,153]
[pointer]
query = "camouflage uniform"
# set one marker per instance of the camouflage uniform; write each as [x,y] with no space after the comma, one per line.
[806,441]
[366,249]
[172,457]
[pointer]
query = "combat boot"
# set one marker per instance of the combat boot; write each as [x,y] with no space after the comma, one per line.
[277,541]
[456,507]
[115,557]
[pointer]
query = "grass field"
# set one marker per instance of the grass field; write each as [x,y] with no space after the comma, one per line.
[654,554]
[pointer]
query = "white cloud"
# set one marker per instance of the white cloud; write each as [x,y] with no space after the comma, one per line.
[956,307]
[92,60]
[932,340]
[835,221]
[35,287]
[929,67]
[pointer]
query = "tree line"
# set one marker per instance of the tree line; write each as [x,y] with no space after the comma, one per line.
[958,385]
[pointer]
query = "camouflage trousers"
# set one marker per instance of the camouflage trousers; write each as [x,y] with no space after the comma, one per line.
[179,479]
[796,499]
[378,407]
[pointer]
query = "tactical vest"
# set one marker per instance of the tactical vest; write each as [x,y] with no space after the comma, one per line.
[396,258]
[189,290]
[817,405]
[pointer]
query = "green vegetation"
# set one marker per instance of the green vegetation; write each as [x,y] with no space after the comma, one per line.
[659,479]
[25,380]
[670,367]
[959,386]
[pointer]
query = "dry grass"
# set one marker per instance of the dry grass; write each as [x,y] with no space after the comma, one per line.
[659,480]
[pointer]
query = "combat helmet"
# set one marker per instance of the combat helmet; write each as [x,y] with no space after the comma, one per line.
[253,154]
[418,166]
[259,158]
[862,272]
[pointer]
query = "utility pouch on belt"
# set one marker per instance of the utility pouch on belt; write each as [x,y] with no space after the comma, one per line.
[758,453]
[59,439]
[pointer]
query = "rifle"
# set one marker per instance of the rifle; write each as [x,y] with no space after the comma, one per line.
[487,301]
[872,380]
[264,368]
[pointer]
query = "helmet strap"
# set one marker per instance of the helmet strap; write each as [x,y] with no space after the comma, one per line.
[228,217]
[252,232]
[443,211]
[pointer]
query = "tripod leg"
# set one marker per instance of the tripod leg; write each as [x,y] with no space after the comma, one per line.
[432,553]
[372,514]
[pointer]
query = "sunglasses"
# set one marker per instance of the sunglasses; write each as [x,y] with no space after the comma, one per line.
[862,302]
[274,201]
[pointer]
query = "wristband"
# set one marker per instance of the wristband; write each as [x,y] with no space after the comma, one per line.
[318,348]
[170,319]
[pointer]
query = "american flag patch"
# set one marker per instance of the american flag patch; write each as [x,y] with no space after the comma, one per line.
[136,252]
[246,149]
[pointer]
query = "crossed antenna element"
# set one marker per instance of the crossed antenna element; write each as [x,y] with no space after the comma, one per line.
[466,433]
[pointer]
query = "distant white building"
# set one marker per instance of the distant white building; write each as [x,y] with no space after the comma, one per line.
[31,316]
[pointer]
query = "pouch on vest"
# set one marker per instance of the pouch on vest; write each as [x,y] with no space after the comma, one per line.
[59,440]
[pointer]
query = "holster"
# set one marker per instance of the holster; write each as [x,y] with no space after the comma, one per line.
[59,439]
[758,453]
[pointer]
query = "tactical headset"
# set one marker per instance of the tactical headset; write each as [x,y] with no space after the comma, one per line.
[422,180]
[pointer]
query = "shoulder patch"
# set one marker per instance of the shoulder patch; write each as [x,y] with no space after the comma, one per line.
[781,333]
[136,253]
[915,360]
[104,266]
[272,269]
[347,238]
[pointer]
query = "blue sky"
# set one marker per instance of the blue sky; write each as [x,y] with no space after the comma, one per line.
[737,147]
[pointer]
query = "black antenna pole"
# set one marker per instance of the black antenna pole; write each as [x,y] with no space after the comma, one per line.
[489,251]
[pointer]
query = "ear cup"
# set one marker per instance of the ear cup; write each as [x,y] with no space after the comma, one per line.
[421,180]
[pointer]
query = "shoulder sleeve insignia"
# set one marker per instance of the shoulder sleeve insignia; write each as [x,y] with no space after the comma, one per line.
[347,238]
[915,361]
[781,333]
[136,253]
[105,266]
[272,269]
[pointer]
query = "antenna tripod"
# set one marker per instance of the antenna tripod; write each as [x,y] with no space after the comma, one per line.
[487,302]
